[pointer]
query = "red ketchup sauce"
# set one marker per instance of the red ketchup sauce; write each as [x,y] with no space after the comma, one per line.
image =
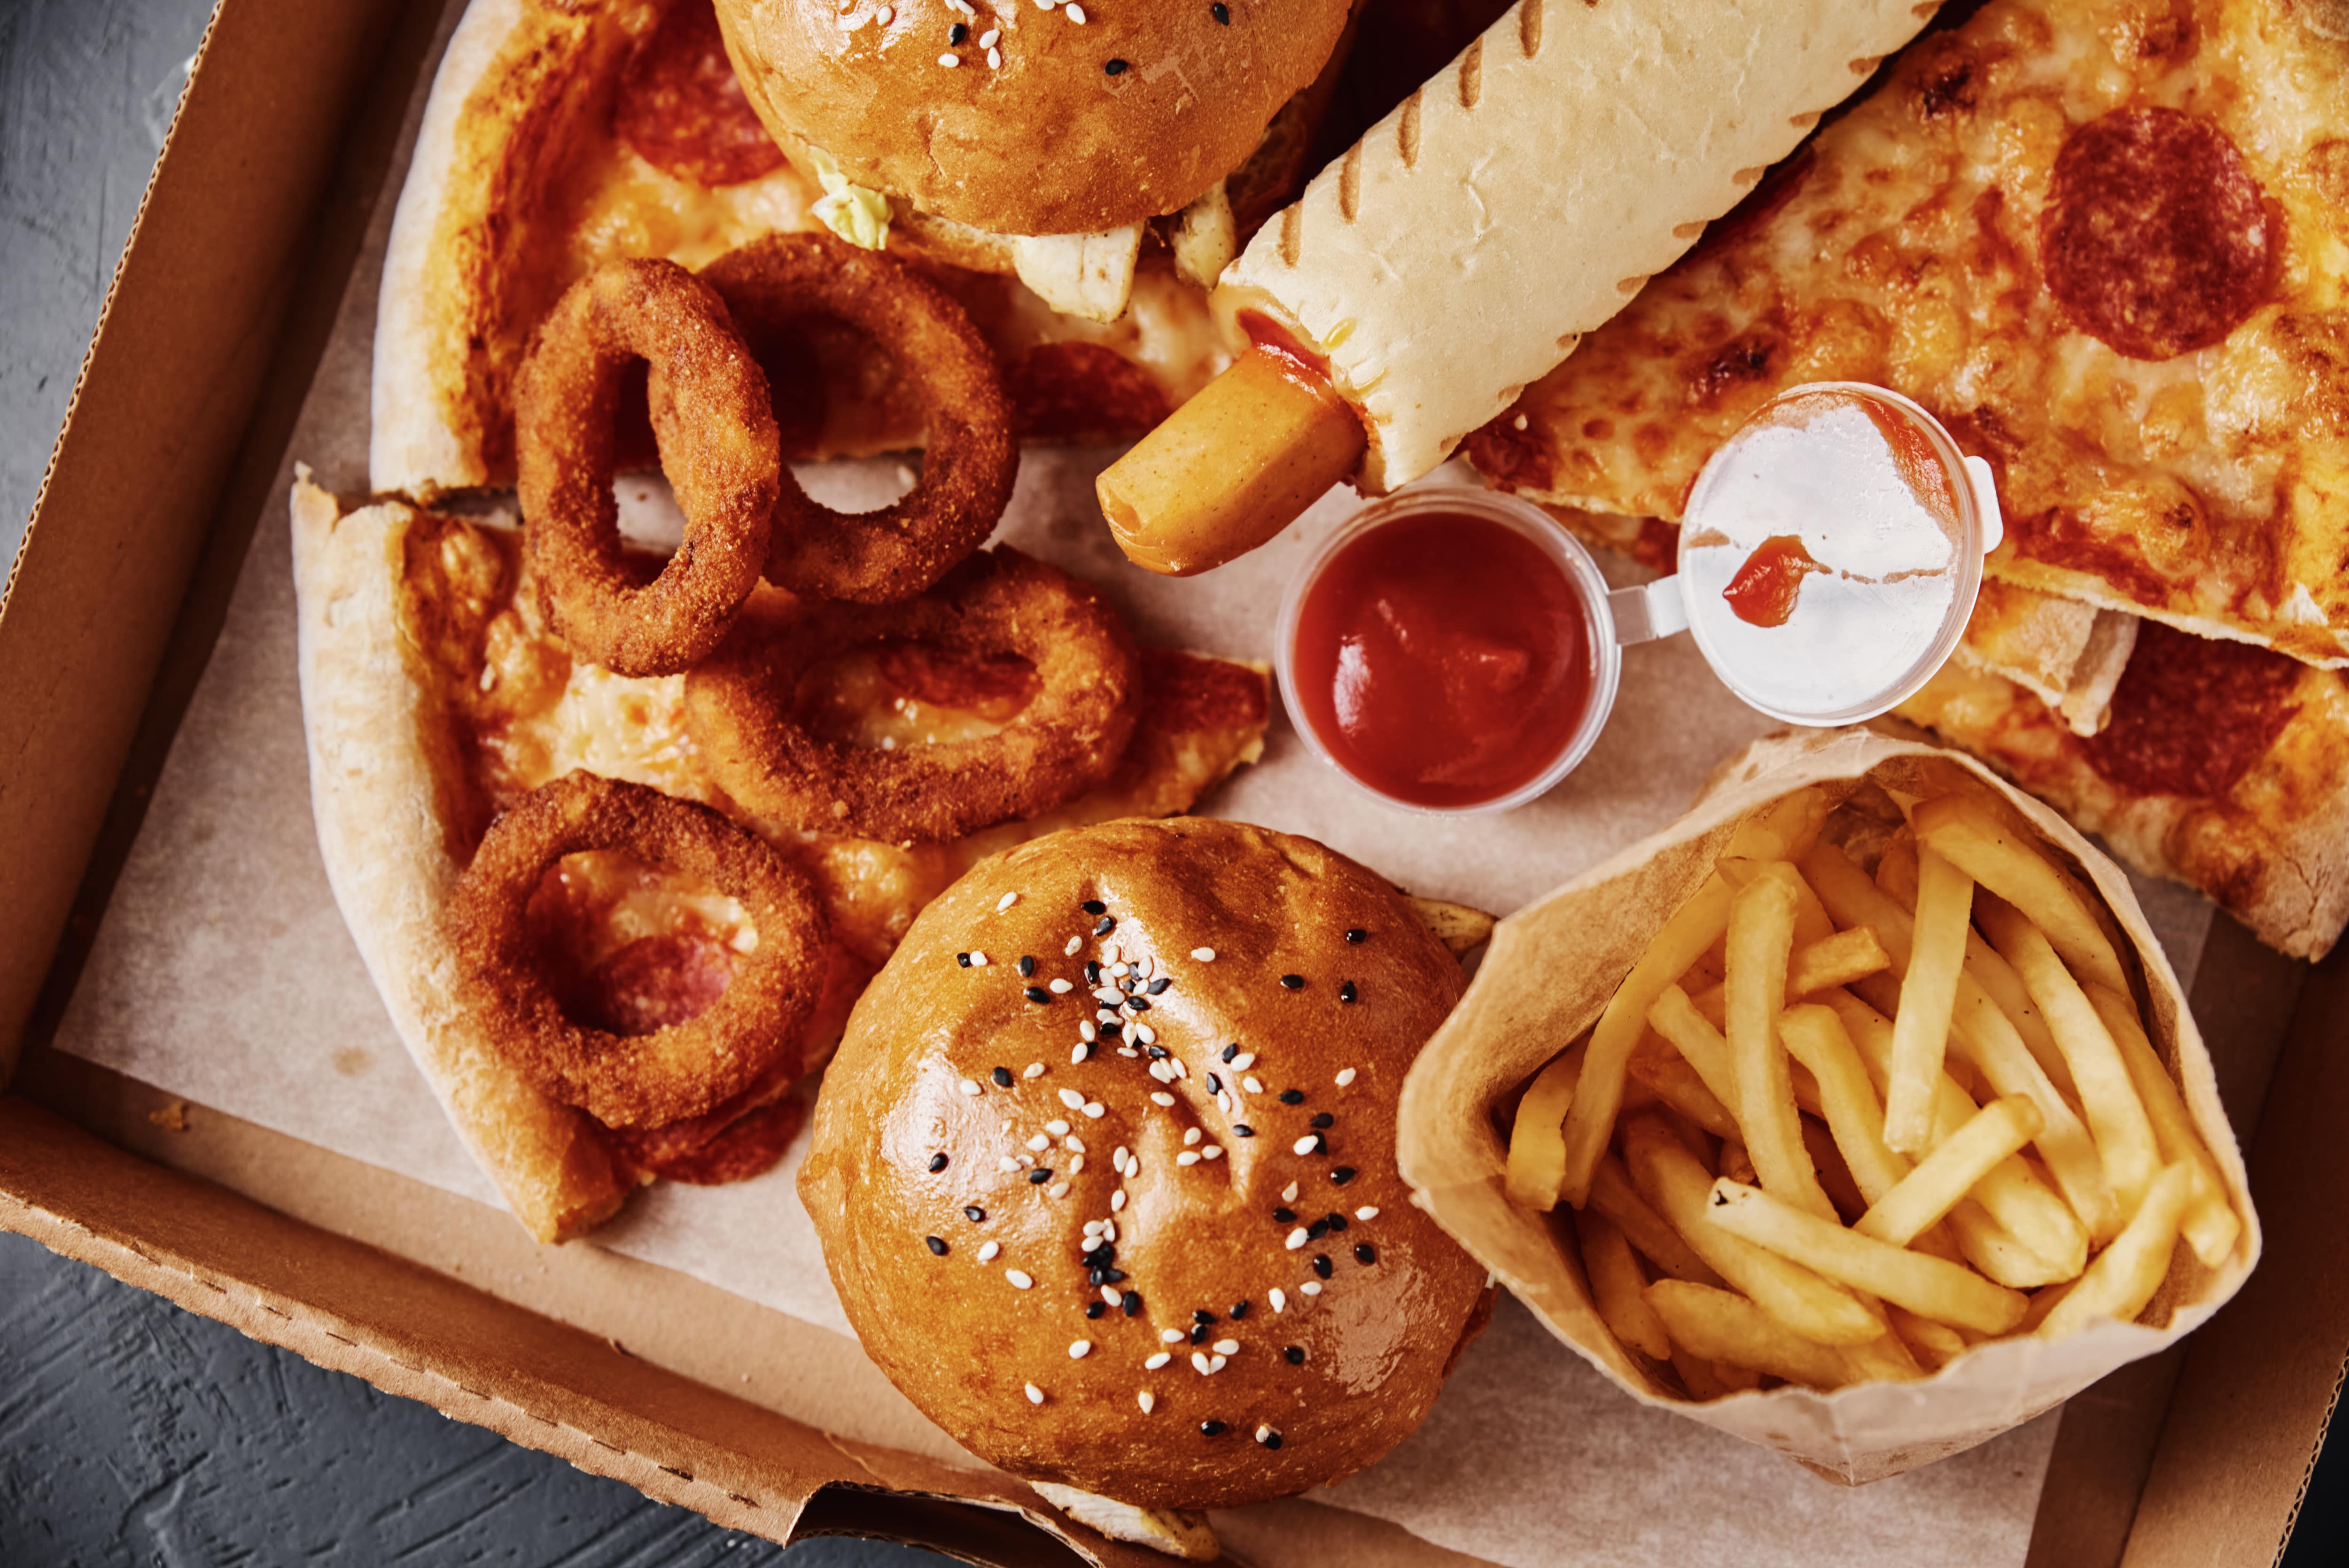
[1763,592]
[1443,659]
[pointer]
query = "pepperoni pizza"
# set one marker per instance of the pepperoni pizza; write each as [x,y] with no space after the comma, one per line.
[2106,241]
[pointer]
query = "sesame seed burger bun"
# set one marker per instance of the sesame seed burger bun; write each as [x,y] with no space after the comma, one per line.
[1051,141]
[960,1337]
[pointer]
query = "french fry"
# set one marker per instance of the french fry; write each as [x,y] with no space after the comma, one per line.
[1935,1344]
[1883,1360]
[1736,1162]
[1944,1177]
[2210,1226]
[1761,939]
[1835,1175]
[1700,1376]
[1677,1084]
[2043,1301]
[1898,876]
[1815,1037]
[2126,1274]
[2124,1132]
[1836,960]
[1619,1288]
[1722,1326]
[1699,1041]
[1996,1255]
[1536,1138]
[2000,859]
[1613,1197]
[1929,992]
[1672,1181]
[1598,1096]
[1929,1287]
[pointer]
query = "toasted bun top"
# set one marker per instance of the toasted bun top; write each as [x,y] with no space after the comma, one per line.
[1051,141]
[1336,1369]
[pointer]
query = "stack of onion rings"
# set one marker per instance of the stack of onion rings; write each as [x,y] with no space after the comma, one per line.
[971,454]
[739,707]
[687,1069]
[716,430]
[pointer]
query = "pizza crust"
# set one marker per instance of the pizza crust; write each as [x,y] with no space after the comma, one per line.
[375,795]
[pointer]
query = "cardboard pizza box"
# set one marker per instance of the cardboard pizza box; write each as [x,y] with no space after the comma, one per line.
[220,315]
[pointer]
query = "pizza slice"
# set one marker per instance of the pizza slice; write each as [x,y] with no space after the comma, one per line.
[435,697]
[2224,765]
[2105,241]
[560,134]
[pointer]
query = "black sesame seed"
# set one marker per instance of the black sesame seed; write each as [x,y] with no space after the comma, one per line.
[1231,1050]
[1292,981]
[1292,1097]
[1337,1220]
[1210,1429]
[938,1163]
[1159,986]
[1199,1332]
[1102,1256]
[1040,1175]
[1138,1004]
[1112,1276]
[1111,1030]
[1201,1315]
[1324,1120]
[1215,1084]
[1358,936]
[1003,1076]
[1242,1129]
[1157,1052]
[1106,924]
[1317,1230]
[1095,1308]
[1239,1310]
[1365,1253]
[1117,69]
[1098,1276]
[1284,1216]
[1131,1301]
[937,1245]
[1094,906]
[1321,1264]
[963,959]
[1270,1440]
[957,33]
[1321,1145]
[1027,960]
[974,1214]
[1346,992]
[1038,994]
[1343,1174]
[1221,13]
[1093,971]
[1296,1353]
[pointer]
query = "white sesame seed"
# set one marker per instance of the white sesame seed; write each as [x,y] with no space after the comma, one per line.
[1241,1064]
[1033,1069]
[1311,1287]
[1117,1201]
[1005,1163]
[1093,1225]
[1252,1086]
[1170,1336]
[1018,1281]
[1109,1230]
[1118,1156]
[1075,945]
[1280,1299]
[1095,1110]
[1058,1189]
[1105,1015]
[1046,5]
[1076,12]
[1120,969]
[1200,1364]
[1078,1348]
[968,1086]
[1145,1399]
[1162,1098]
[1072,1099]
[1158,1070]
[1225,1348]
[1056,1127]
[1127,1051]
[1211,1151]
[1204,954]
[887,14]
[1028,1159]
[1079,1051]
[1008,899]
[1288,1193]
[978,961]
[1304,1144]
[1298,1238]
[1345,1076]
[1262,1433]
[1059,987]
[1040,1143]
[1155,1362]
[1191,1137]
[1149,1036]
[1076,1164]
[1073,1144]
[1224,1101]
[1086,1032]
[1035,1395]
[1148,967]
[994,59]
[987,1253]
[1186,1158]
[1112,952]
[1006,1127]
[1366,1212]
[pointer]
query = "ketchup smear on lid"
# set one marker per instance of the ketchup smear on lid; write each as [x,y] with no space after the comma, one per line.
[1443,659]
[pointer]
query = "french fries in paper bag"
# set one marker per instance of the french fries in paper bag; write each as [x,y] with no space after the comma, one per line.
[1549,975]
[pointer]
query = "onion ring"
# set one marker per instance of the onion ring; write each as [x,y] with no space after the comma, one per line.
[739,707]
[716,430]
[686,1069]
[884,556]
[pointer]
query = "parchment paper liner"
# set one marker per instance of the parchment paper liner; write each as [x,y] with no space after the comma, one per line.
[1549,971]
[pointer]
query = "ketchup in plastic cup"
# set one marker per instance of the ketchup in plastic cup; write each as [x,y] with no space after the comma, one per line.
[1451,649]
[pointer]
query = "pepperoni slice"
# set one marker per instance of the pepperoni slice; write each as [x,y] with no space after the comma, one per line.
[655,981]
[681,109]
[1082,391]
[2191,715]
[2157,238]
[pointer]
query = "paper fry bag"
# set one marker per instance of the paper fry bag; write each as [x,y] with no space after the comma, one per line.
[1548,974]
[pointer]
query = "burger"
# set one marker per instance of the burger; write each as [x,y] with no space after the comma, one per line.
[1053,140]
[1104,1171]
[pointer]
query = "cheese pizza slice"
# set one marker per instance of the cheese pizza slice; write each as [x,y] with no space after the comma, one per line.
[2105,241]
[2224,765]
[435,695]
